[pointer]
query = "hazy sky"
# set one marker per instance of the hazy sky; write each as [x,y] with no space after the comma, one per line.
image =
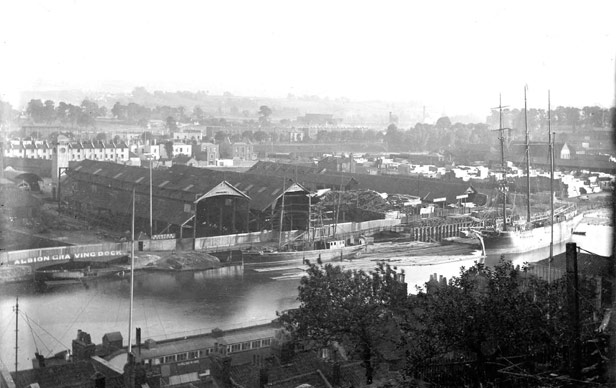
[454,55]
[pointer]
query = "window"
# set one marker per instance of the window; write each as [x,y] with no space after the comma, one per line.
[266,342]
[256,344]
[235,348]
[170,358]
[246,346]
[182,356]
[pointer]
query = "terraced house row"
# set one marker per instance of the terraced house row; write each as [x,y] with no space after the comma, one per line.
[77,151]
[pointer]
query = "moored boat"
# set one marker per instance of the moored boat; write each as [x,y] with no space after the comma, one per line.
[527,237]
[540,230]
[332,250]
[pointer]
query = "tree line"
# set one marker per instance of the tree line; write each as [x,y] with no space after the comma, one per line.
[75,115]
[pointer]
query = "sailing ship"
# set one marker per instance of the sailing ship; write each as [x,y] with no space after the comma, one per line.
[539,230]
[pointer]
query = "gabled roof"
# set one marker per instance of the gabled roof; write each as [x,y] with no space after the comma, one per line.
[263,192]
[425,188]
[173,187]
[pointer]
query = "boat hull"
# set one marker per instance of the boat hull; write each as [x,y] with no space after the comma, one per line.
[301,257]
[519,241]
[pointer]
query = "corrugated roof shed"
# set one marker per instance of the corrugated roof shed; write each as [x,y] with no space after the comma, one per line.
[171,188]
[425,188]
[263,192]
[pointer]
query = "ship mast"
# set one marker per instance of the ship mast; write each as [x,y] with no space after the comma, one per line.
[281,213]
[551,154]
[501,138]
[132,266]
[527,161]
[502,144]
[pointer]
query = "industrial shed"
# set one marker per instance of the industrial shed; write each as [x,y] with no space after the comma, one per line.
[224,202]
[425,188]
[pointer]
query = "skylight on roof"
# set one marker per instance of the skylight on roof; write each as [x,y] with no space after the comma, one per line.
[164,183]
[97,171]
[249,187]
[276,191]
[262,189]
[189,187]
[78,168]
[117,175]
[139,180]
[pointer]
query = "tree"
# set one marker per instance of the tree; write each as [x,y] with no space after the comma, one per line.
[119,111]
[220,136]
[171,124]
[393,137]
[353,308]
[101,136]
[260,136]
[6,112]
[36,110]
[487,312]
[62,111]
[90,108]
[264,115]
[169,149]
[198,113]
[49,112]
[248,135]
[443,123]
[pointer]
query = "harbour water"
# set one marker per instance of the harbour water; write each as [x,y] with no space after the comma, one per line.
[175,304]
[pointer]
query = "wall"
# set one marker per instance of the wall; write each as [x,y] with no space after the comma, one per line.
[232,240]
[46,256]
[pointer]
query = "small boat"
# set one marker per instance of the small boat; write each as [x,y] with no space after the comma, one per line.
[332,250]
[61,275]
[579,233]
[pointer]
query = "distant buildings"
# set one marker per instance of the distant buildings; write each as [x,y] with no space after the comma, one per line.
[77,151]
[318,119]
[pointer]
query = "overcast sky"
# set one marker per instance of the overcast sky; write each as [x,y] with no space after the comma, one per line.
[455,55]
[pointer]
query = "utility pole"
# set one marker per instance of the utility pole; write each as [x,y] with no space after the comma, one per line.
[150,158]
[573,305]
[16,332]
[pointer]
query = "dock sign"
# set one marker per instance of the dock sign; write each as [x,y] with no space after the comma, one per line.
[166,236]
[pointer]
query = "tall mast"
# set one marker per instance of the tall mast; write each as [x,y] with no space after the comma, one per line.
[527,161]
[281,213]
[551,153]
[502,144]
[16,332]
[132,266]
[151,231]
